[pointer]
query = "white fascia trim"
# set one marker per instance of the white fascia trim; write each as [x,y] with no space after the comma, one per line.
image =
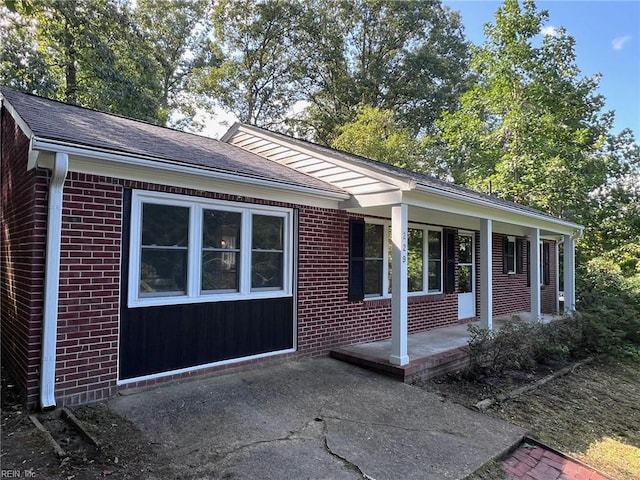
[52,282]
[175,167]
[494,206]
[404,183]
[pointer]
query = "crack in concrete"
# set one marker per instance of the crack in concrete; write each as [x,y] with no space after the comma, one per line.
[345,461]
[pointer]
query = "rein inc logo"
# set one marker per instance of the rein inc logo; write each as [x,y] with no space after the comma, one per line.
[11,473]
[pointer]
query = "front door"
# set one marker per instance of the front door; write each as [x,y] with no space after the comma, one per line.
[466,282]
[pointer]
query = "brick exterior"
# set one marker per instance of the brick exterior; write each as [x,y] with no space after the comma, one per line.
[88,312]
[23,224]
[90,276]
[511,292]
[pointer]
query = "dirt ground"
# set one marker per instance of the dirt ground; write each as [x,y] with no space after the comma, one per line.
[592,414]
[26,452]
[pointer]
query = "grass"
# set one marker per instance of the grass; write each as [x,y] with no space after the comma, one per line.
[592,414]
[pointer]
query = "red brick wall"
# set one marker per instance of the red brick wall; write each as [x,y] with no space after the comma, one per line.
[23,225]
[88,312]
[511,294]
[325,317]
[510,291]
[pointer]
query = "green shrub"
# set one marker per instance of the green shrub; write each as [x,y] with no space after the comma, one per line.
[607,321]
[608,308]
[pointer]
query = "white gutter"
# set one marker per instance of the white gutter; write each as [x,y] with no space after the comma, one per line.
[173,167]
[52,282]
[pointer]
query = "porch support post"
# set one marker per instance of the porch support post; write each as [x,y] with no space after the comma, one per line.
[486,274]
[399,239]
[569,274]
[534,268]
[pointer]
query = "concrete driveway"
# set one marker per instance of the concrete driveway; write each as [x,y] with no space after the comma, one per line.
[313,419]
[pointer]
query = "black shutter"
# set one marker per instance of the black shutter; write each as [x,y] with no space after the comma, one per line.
[505,254]
[546,270]
[356,259]
[528,263]
[450,261]
[518,253]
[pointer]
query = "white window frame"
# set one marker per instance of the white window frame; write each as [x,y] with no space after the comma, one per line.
[385,259]
[425,259]
[512,240]
[193,293]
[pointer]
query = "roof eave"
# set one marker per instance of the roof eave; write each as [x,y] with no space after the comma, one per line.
[39,144]
[503,208]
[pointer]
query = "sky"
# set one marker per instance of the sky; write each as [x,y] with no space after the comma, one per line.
[607,35]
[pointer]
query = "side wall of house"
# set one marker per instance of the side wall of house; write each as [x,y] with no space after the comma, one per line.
[23,224]
[87,349]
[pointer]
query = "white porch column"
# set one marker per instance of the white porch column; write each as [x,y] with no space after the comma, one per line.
[399,238]
[569,274]
[534,268]
[486,274]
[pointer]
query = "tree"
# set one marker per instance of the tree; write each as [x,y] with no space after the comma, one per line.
[177,35]
[332,56]
[530,129]
[87,52]
[407,57]
[255,80]
[22,65]
[375,134]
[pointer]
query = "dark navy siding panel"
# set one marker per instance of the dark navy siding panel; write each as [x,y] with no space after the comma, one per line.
[165,338]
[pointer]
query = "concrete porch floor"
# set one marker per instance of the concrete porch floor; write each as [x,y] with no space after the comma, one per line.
[431,353]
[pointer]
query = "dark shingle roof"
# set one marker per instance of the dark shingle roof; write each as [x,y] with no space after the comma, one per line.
[52,120]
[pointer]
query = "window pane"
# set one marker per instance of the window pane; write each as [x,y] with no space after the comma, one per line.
[510,256]
[163,270]
[373,277]
[220,229]
[465,250]
[165,225]
[266,270]
[268,233]
[465,278]
[415,267]
[373,238]
[435,276]
[219,271]
[435,245]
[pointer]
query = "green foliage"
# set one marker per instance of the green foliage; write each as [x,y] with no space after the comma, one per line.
[530,127]
[607,322]
[408,57]
[176,34]
[255,79]
[609,309]
[376,134]
[129,58]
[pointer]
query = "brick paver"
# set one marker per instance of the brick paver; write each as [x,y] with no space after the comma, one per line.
[533,462]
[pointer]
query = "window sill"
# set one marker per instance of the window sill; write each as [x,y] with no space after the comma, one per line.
[185,300]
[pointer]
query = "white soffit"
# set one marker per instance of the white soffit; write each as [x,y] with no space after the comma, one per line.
[356,181]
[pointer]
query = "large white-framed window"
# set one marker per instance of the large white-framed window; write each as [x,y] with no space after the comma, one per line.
[187,249]
[425,250]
